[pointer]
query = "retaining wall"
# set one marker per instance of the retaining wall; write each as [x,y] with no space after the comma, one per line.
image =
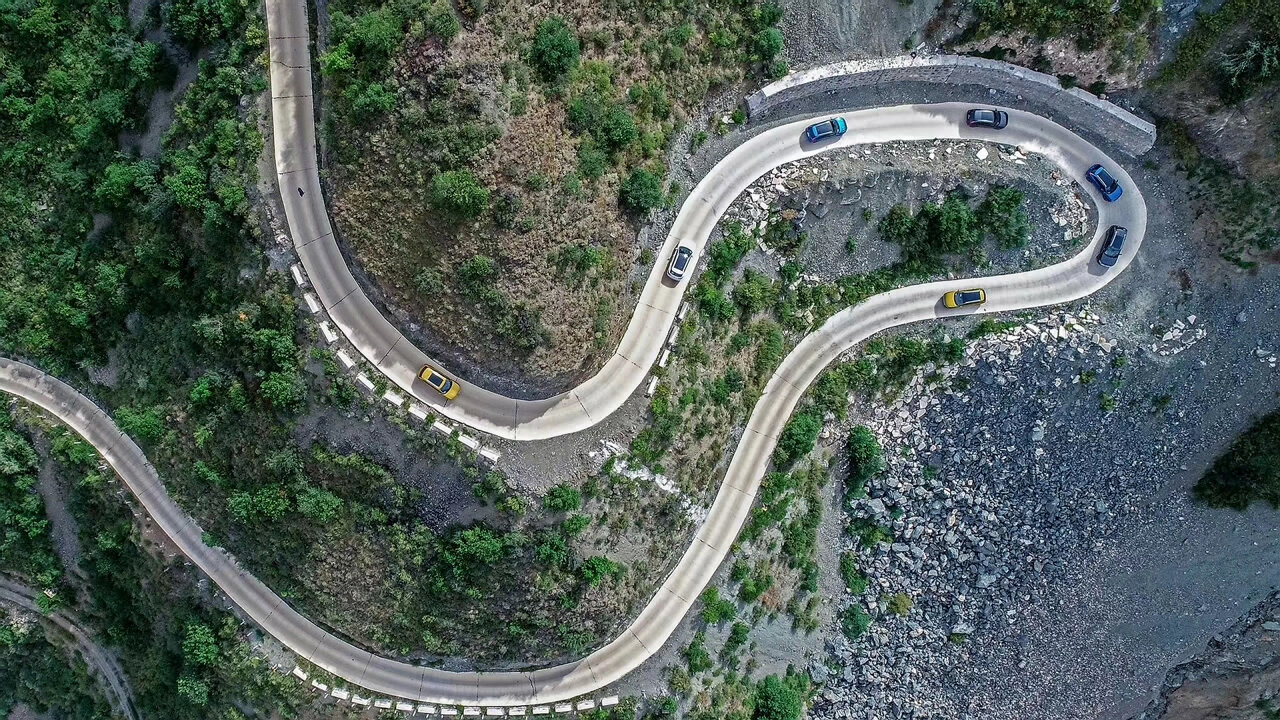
[1079,109]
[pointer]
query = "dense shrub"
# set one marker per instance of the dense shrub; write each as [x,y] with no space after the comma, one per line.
[716,609]
[756,292]
[1092,24]
[866,459]
[641,191]
[780,698]
[854,580]
[1248,471]
[597,569]
[854,621]
[459,194]
[1002,215]
[554,50]
[797,439]
[562,498]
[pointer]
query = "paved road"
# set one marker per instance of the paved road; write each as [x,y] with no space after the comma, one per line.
[594,399]
[395,356]
[102,663]
[1062,282]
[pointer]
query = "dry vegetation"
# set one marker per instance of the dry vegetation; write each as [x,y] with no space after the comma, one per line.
[563,243]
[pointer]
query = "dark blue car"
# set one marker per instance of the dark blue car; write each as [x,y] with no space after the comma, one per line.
[834,127]
[1106,184]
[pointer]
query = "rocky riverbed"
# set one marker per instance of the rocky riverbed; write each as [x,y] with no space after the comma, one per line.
[1036,500]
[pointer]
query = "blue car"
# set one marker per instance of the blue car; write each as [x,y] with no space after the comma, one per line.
[834,127]
[1106,184]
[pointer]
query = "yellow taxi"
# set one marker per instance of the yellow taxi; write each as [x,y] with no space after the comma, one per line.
[443,385]
[961,298]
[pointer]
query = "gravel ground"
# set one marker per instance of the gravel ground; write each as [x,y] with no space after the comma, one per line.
[1233,679]
[836,198]
[822,31]
[1057,535]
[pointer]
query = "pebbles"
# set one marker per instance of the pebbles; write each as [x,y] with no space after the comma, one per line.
[981,513]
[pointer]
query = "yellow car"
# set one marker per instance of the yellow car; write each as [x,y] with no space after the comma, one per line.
[960,298]
[443,385]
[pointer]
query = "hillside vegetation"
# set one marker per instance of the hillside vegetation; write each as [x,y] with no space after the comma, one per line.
[1248,472]
[490,166]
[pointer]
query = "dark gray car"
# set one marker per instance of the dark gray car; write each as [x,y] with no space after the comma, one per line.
[1112,246]
[984,118]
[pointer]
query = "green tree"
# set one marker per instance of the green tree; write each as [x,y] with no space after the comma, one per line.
[442,21]
[779,699]
[553,551]
[597,569]
[716,609]
[1001,214]
[866,459]
[555,49]
[147,424]
[199,646]
[697,656]
[1248,471]
[479,545]
[562,498]
[617,128]
[369,100]
[898,225]
[319,504]
[459,194]
[641,191]
[768,43]
[124,180]
[193,690]
[755,293]
[285,390]
[797,439]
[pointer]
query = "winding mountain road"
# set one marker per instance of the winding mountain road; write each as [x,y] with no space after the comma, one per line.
[596,398]
[383,346]
[103,664]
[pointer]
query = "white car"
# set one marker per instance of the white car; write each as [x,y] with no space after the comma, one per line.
[679,264]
